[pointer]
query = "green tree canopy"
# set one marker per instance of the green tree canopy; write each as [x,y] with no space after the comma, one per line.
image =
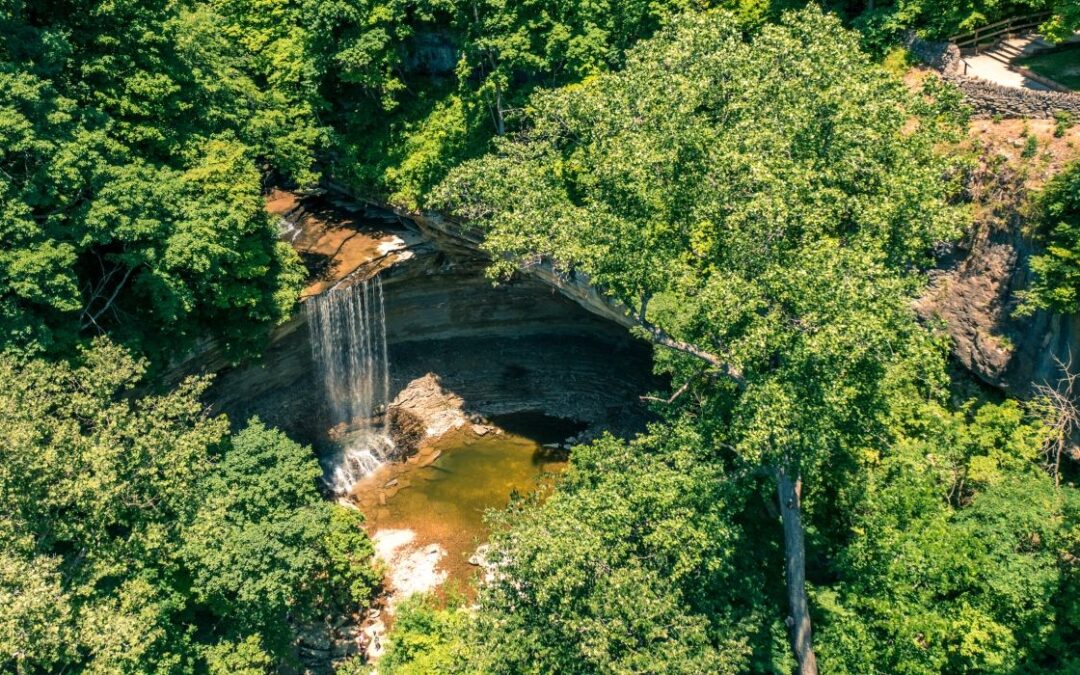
[948,548]
[139,537]
[630,566]
[962,555]
[503,52]
[762,235]
[132,141]
[885,21]
[761,232]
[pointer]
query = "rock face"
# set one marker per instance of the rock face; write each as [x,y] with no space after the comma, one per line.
[976,297]
[941,55]
[977,290]
[436,410]
[518,347]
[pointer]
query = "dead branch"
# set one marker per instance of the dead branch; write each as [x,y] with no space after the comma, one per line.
[660,337]
[86,314]
[678,392]
[1060,407]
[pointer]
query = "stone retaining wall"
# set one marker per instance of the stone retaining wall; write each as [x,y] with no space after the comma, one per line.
[989,99]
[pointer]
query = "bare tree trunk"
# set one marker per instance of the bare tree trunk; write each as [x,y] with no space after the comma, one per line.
[500,119]
[500,124]
[788,493]
[1059,409]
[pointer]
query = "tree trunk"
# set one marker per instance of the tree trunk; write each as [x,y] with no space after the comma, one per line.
[500,123]
[788,493]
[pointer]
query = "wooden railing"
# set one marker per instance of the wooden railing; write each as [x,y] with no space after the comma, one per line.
[990,32]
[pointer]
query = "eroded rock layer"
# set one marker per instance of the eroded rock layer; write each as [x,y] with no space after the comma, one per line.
[501,348]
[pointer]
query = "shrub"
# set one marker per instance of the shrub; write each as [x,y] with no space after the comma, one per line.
[1057,270]
[1062,121]
[1031,147]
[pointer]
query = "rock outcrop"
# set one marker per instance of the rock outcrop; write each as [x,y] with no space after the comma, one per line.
[436,410]
[501,349]
[977,296]
[977,290]
[941,55]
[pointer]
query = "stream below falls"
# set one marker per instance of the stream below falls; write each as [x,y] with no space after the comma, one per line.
[426,515]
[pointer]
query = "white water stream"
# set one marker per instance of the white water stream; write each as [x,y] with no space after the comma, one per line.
[348,342]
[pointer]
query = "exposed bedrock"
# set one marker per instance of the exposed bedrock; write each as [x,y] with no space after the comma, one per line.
[977,295]
[503,349]
[977,290]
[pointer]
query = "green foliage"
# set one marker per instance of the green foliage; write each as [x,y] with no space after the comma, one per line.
[629,567]
[1031,147]
[550,41]
[243,658]
[601,181]
[898,61]
[132,135]
[503,52]
[1065,21]
[36,616]
[138,537]
[959,557]
[956,553]
[777,229]
[402,128]
[1063,120]
[884,23]
[428,638]
[347,554]
[428,149]
[254,543]
[1056,285]
[774,226]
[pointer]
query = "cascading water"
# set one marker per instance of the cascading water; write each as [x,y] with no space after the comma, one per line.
[348,342]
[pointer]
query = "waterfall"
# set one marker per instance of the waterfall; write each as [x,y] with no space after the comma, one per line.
[348,343]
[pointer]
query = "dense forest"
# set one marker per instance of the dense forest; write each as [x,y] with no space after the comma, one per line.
[753,180]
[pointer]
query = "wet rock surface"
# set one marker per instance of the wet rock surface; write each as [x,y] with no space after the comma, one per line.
[436,410]
[413,567]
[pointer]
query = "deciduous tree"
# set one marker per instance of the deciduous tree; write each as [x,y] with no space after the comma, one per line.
[765,232]
[137,536]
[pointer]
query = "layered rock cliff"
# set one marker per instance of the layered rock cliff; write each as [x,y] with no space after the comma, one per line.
[502,349]
[553,345]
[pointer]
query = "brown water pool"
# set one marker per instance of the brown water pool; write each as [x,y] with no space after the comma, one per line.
[441,494]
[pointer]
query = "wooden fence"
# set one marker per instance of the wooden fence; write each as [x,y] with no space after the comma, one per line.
[989,34]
